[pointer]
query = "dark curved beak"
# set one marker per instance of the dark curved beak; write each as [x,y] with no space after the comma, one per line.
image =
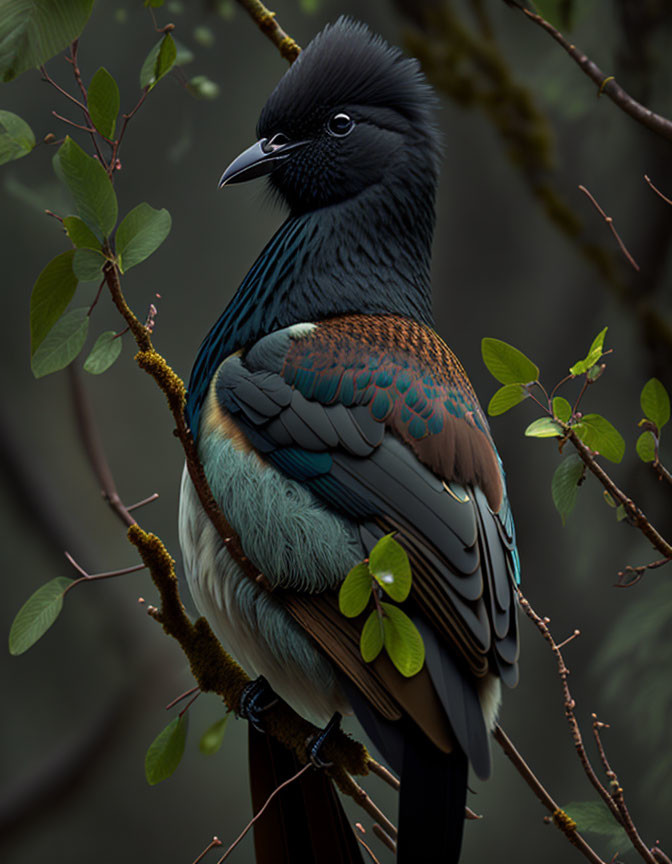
[259,159]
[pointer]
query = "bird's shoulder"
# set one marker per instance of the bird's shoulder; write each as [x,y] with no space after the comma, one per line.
[398,370]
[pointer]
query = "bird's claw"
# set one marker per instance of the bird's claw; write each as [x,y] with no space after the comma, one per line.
[316,742]
[255,700]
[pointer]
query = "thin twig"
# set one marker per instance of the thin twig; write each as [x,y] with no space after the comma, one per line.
[635,516]
[261,812]
[558,816]
[657,191]
[617,795]
[384,838]
[362,798]
[46,77]
[144,501]
[382,772]
[265,20]
[88,129]
[117,144]
[610,223]
[94,577]
[90,436]
[630,576]
[211,845]
[662,471]
[181,697]
[607,83]
[614,800]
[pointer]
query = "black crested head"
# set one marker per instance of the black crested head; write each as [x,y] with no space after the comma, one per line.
[359,113]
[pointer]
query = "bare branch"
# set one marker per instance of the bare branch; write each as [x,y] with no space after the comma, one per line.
[607,84]
[261,812]
[558,816]
[635,516]
[610,223]
[614,799]
[211,845]
[657,191]
[90,436]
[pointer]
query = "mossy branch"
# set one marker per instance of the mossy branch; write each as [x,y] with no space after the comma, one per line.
[267,23]
[214,670]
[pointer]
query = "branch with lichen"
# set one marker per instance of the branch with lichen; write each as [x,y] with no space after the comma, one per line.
[267,23]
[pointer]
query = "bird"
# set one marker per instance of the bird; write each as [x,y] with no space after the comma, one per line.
[329,413]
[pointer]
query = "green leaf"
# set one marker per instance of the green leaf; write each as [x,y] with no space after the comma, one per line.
[165,751]
[562,409]
[87,264]
[213,737]
[32,31]
[355,591]
[159,61]
[506,397]
[594,817]
[90,186]
[597,433]
[371,640]
[16,137]
[646,447]
[62,344]
[564,485]
[53,290]
[655,402]
[203,87]
[141,232]
[620,513]
[80,233]
[37,615]
[103,102]
[403,642]
[104,353]
[544,427]
[594,353]
[390,567]
[507,364]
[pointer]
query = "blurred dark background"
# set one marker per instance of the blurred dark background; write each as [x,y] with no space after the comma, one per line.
[520,255]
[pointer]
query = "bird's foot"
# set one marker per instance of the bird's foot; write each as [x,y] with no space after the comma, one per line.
[255,700]
[316,742]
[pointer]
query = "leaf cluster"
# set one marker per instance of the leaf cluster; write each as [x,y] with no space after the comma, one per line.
[386,571]
[520,378]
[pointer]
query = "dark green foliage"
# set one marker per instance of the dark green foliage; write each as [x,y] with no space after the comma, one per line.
[37,615]
[104,353]
[32,31]
[16,137]
[103,102]
[62,344]
[166,750]
[159,62]
[565,484]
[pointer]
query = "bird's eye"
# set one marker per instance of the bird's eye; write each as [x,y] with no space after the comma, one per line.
[340,125]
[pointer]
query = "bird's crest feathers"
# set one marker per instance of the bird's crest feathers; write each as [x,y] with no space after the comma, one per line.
[347,64]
